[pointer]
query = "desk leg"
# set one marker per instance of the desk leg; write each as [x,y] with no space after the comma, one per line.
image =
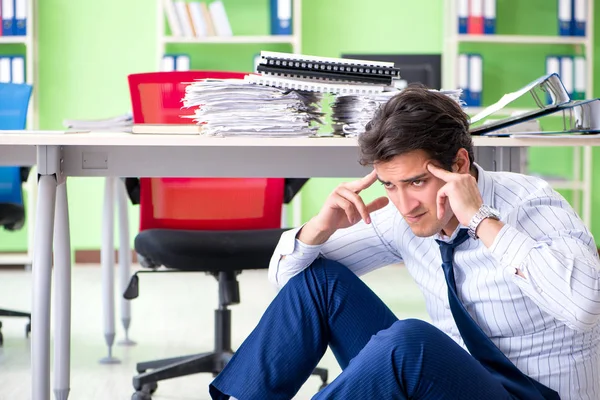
[107,256]
[41,275]
[62,295]
[124,258]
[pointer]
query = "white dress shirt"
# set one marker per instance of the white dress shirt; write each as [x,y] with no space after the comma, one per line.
[546,323]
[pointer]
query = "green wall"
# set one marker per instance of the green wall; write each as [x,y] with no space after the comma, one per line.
[87,49]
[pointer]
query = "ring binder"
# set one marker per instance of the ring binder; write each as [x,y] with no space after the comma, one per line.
[290,65]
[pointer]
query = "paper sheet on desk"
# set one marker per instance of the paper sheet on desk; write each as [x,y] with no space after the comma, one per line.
[231,107]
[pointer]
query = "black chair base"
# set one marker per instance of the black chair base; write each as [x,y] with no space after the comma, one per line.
[146,383]
[11,313]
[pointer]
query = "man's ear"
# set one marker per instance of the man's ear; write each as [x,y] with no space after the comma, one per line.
[461,162]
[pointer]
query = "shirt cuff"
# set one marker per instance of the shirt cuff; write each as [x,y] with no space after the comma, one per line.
[511,248]
[290,246]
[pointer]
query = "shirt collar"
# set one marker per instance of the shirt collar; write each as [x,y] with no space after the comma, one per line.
[485,183]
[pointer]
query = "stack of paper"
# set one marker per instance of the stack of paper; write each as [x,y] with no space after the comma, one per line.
[120,123]
[234,107]
[351,113]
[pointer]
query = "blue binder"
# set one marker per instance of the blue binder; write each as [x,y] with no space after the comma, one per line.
[565,17]
[8,17]
[580,15]
[463,16]
[281,17]
[489,17]
[20,21]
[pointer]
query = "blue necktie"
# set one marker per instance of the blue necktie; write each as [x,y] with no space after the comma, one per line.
[479,344]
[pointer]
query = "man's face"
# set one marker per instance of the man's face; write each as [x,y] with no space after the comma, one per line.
[413,190]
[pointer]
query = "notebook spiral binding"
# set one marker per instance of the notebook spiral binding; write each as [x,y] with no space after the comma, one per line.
[349,70]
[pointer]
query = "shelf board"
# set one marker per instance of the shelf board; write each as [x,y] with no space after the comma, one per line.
[14,39]
[522,39]
[231,39]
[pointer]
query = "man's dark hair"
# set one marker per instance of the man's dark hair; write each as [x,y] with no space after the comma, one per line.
[417,119]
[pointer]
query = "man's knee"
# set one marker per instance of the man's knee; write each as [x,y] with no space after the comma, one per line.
[408,337]
[323,271]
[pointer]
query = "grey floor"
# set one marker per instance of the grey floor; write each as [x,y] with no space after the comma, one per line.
[173,316]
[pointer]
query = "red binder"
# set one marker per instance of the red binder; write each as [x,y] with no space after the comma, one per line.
[475,21]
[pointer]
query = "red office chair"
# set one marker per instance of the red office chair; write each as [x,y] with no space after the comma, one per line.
[200,224]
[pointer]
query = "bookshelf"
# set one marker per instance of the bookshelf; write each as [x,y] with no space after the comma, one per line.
[26,46]
[294,41]
[580,183]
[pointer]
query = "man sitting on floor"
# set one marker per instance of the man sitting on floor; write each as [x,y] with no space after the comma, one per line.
[509,272]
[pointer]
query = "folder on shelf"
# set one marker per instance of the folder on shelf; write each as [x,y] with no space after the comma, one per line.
[580,78]
[5,75]
[489,17]
[475,23]
[566,74]
[219,17]
[580,15]
[17,69]
[475,79]
[463,16]
[20,21]
[182,62]
[463,77]
[172,18]
[281,17]
[167,63]
[183,18]
[208,21]
[197,19]
[565,16]
[8,17]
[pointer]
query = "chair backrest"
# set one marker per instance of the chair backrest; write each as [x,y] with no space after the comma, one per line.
[197,203]
[14,101]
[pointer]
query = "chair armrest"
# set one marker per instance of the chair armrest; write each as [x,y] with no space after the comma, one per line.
[133,189]
[291,187]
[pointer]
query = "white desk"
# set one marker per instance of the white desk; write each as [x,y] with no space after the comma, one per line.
[119,154]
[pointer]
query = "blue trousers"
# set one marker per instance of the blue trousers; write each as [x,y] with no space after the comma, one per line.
[381,357]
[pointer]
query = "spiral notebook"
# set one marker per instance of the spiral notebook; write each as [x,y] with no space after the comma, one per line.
[328,69]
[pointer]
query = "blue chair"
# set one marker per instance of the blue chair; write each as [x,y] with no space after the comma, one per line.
[14,101]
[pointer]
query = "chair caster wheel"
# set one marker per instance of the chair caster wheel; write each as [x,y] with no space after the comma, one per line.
[150,387]
[141,396]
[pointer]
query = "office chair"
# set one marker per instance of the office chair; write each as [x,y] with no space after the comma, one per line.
[199,224]
[14,100]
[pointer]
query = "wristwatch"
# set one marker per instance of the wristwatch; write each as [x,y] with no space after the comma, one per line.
[483,213]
